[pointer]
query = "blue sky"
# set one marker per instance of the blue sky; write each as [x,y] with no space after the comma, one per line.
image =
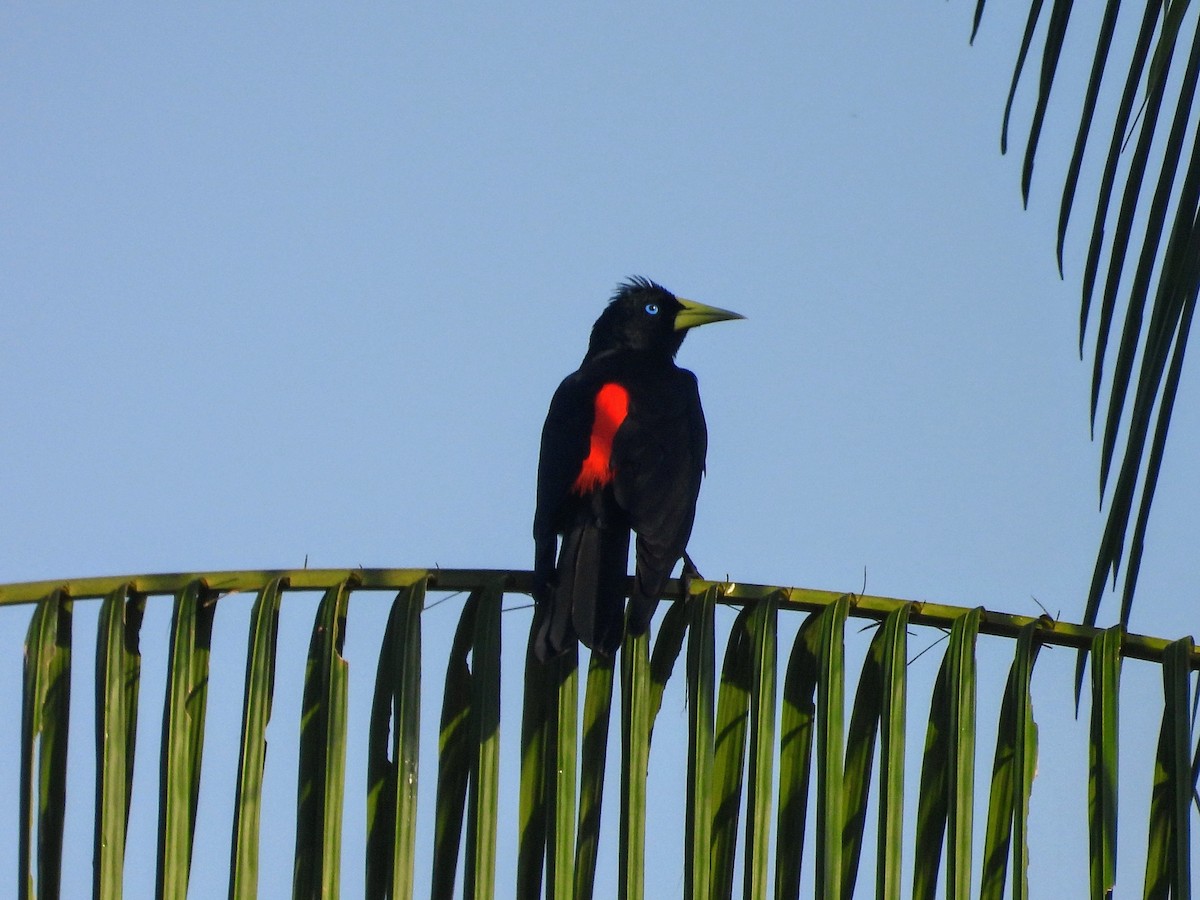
[287,284]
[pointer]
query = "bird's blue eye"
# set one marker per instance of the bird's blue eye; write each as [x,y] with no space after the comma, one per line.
[652,309]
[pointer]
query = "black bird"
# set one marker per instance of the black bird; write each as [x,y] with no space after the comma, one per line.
[622,448]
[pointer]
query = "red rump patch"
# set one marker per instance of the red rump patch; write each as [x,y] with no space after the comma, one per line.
[612,405]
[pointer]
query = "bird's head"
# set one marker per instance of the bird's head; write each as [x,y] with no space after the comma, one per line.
[643,315]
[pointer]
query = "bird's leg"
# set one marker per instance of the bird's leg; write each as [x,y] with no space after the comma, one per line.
[685,577]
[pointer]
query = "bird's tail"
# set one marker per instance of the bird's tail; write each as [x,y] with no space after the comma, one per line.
[589,598]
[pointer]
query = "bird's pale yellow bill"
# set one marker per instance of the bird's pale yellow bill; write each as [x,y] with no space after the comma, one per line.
[694,314]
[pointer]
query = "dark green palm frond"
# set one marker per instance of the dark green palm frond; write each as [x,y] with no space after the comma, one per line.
[1141,260]
[118,679]
[737,813]
[183,733]
[393,744]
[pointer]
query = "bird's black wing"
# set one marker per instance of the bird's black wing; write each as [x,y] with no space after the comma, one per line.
[658,458]
[565,440]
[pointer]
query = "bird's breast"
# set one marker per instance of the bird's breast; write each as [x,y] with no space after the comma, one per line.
[611,408]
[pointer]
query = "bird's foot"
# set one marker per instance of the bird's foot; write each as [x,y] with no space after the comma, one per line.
[685,577]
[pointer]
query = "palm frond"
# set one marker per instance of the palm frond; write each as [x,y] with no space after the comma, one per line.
[118,679]
[1143,255]
[183,734]
[733,797]
[393,750]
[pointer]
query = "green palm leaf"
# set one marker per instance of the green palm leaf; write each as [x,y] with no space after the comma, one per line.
[256,713]
[1012,776]
[797,728]
[701,682]
[945,807]
[597,711]
[1168,870]
[635,762]
[1102,761]
[732,741]
[883,681]
[1152,291]
[761,629]
[560,775]
[454,757]
[729,754]
[830,743]
[118,674]
[45,720]
[183,734]
[531,855]
[482,811]
[322,752]
[392,764]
